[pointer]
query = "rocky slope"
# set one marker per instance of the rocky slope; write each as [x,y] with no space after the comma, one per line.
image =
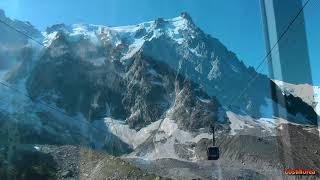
[245,156]
[40,162]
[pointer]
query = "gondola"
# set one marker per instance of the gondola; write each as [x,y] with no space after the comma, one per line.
[213,152]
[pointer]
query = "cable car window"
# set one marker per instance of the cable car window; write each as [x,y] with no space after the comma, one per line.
[159,89]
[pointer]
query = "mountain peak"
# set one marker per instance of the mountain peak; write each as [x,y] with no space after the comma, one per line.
[186,16]
[56,27]
[2,13]
[185,19]
[159,22]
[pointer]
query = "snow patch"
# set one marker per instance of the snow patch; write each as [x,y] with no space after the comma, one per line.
[234,68]
[130,136]
[98,61]
[195,52]
[37,148]
[49,38]
[164,133]
[86,32]
[168,135]
[214,72]
[203,100]
[238,122]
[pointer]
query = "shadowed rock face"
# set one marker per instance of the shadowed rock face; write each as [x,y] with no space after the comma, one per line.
[150,87]
[43,127]
[194,109]
[78,86]
[141,92]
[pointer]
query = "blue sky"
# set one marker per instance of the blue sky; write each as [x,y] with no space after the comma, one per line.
[237,23]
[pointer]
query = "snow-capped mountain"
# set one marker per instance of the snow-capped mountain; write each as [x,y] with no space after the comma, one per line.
[126,39]
[139,73]
[113,62]
[150,91]
[177,43]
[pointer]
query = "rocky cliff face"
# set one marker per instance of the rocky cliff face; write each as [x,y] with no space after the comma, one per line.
[140,93]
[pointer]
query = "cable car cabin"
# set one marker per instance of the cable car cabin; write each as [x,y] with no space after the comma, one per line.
[213,153]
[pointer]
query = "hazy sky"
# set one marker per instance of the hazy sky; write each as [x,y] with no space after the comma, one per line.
[237,23]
